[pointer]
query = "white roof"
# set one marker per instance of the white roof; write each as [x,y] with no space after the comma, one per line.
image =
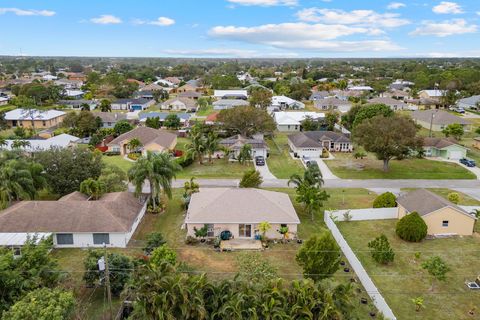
[74,93]
[279,100]
[295,118]
[4,99]
[240,205]
[49,77]
[21,114]
[433,93]
[18,239]
[221,93]
[60,141]
[361,88]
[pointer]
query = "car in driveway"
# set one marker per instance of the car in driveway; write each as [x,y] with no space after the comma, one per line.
[468,162]
[260,161]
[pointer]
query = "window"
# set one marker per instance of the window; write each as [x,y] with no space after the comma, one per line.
[64,238]
[245,230]
[210,230]
[445,223]
[283,225]
[44,123]
[101,238]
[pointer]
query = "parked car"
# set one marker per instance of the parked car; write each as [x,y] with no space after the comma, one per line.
[259,160]
[468,162]
[457,109]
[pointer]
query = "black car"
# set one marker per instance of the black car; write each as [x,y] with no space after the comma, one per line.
[260,161]
[467,162]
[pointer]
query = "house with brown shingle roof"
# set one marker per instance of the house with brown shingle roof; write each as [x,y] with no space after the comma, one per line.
[312,143]
[441,216]
[235,143]
[151,139]
[444,148]
[394,104]
[74,221]
[439,119]
[179,104]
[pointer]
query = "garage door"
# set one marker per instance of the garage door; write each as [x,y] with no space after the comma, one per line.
[455,155]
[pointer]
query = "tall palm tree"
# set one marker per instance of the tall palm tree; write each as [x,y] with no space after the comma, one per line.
[134,144]
[211,144]
[311,176]
[18,144]
[15,183]
[245,153]
[159,169]
[198,147]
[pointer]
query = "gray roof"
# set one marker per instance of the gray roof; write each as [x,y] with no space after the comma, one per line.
[238,141]
[440,117]
[317,95]
[440,143]
[388,101]
[113,212]
[425,202]
[331,102]
[313,139]
[146,136]
[189,94]
[132,101]
[189,103]
[231,102]
[234,205]
[471,101]
[110,116]
[163,115]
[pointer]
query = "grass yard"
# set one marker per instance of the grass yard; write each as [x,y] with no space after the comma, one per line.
[118,161]
[345,166]
[280,163]
[405,279]
[204,111]
[219,168]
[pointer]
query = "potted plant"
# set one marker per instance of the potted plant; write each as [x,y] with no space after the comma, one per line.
[201,233]
[263,227]
[284,232]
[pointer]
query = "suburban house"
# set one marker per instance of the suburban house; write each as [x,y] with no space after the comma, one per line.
[312,143]
[361,88]
[424,103]
[185,88]
[190,95]
[476,142]
[211,119]
[69,84]
[472,102]
[132,104]
[431,94]
[151,139]
[34,118]
[73,94]
[334,104]
[437,120]
[180,104]
[110,119]
[234,145]
[441,216]
[401,84]
[283,102]
[4,100]
[61,141]
[144,94]
[240,211]
[184,117]
[228,104]
[292,121]
[79,104]
[396,94]
[153,87]
[444,148]
[319,95]
[231,94]
[74,221]
[392,103]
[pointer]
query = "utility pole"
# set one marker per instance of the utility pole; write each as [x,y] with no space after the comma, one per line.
[107,283]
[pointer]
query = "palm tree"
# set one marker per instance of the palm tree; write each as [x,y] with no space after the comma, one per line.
[311,176]
[245,153]
[198,147]
[263,227]
[16,183]
[105,105]
[211,144]
[3,142]
[84,107]
[134,144]
[93,188]
[312,198]
[191,187]
[18,144]
[159,169]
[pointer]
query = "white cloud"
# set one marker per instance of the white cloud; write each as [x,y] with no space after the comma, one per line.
[228,52]
[304,36]
[396,5]
[355,17]
[106,19]
[29,12]
[160,21]
[446,7]
[265,3]
[444,28]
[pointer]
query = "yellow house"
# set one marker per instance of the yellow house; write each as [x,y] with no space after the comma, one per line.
[151,140]
[441,216]
[36,119]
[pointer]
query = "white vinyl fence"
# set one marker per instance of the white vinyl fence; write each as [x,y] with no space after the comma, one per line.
[364,214]
[367,283]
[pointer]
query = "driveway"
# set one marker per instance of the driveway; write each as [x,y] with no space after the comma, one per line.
[264,171]
[474,170]
[327,174]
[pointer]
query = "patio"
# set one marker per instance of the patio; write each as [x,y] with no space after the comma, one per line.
[240,244]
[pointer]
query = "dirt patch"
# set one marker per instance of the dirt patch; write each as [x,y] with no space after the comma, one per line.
[206,259]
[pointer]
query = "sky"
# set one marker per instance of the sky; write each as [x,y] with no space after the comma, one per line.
[241,28]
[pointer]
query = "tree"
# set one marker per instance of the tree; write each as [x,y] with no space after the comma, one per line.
[20,144]
[264,227]
[411,228]
[371,111]
[153,122]
[105,105]
[418,302]
[310,124]
[82,124]
[92,188]
[198,145]
[44,303]
[454,130]
[16,182]
[453,197]
[246,120]
[211,144]
[159,169]
[331,118]
[120,269]
[172,121]
[283,230]
[66,168]
[113,178]
[381,251]
[251,179]
[190,187]
[260,98]
[245,153]
[252,266]
[319,256]
[153,240]
[121,127]
[388,137]
[385,200]
[312,176]
[134,145]
[437,268]
[163,253]
[312,198]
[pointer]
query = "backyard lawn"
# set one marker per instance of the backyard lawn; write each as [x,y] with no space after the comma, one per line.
[345,166]
[405,279]
[219,168]
[205,111]
[119,161]
[280,163]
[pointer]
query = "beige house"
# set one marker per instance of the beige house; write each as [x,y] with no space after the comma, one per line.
[439,119]
[180,104]
[240,211]
[151,139]
[34,118]
[441,216]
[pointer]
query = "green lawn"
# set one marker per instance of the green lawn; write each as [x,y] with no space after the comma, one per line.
[345,166]
[118,161]
[205,111]
[465,200]
[280,162]
[405,279]
[219,168]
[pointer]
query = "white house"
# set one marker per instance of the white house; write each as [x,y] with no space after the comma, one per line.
[75,94]
[74,221]
[132,104]
[283,102]
[226,94]
[360,88]
[4,101]
[223,104]
[292,120]
[34,145]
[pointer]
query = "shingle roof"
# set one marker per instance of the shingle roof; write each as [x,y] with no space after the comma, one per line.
[111,116]
[439,143]
[189,103]
[313,139]
[387,101]
[114,212]
[425,202]
[232,205]
[238,141]
[440,117]
[146,136]
[132,101]
[189,94]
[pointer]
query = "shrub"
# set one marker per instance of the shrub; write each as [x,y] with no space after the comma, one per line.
[154,240]
[251,179]
[163,253]
[412,228]
[381,250]
[185,161]
[134,156]
[191,240]
[359,154]
[453,197]
[385,200]
[112,153]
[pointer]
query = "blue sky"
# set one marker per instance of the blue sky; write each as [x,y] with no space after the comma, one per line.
[241,28]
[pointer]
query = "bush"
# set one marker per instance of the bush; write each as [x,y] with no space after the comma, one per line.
[163,253]
[385,200]
[112,153]
[191,240]
[134,156]
[185,161]
[251,179]
[154,240]
[381,251]
[412,228]
[453,197]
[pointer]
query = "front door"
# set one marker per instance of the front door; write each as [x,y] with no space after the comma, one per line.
[245,230]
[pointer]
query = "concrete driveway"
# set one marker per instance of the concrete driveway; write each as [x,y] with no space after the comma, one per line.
[264,171]
[327,174]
